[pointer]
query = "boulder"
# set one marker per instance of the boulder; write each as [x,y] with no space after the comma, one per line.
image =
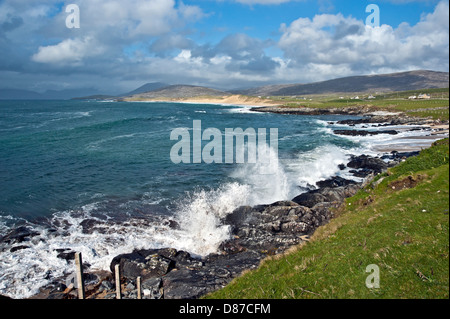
[327,194]
[368,162]
[335,181]
[141,263]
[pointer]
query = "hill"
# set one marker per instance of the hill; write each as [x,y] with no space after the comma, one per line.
[20,94]
[413,80]
[179,92]
[148,87]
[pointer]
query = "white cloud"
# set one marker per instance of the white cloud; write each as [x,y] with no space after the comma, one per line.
[337,42]
[69,51]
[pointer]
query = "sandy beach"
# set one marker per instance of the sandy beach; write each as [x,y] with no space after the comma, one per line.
[237,100]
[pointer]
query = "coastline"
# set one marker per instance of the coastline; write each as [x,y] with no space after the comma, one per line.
[231,100]
[258,232]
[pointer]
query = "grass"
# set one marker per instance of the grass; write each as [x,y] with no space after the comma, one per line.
[399,222]
[436,108]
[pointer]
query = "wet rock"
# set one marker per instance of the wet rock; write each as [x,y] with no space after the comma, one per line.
[141,263]
[89,226]
[368,162]
[335,181]
[309,199]
[362,173]
[19,235]
[364,133]
[17,248]
[66,254]
[327,194]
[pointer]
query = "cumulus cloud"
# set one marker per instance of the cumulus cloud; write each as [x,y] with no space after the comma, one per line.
[330,41]
[69,51]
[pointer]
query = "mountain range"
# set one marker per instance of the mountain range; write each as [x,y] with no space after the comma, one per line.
[394,82]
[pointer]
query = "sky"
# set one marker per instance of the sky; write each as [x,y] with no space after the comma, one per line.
[226,44]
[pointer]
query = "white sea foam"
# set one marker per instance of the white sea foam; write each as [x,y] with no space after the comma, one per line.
[318,164]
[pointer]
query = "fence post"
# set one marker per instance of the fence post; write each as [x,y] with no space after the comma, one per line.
[79,270]
[118,290]
[138,284]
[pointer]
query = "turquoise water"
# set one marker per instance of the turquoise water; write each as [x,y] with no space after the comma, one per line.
[65,162]
[59,155]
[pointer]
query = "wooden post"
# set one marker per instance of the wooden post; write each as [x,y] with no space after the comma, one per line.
[79,269]
[138,284]
[118,290]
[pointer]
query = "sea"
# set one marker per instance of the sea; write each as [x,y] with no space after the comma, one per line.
[97,177]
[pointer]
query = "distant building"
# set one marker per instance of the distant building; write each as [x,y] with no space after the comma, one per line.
[424,96]
[371,97]
[412,97]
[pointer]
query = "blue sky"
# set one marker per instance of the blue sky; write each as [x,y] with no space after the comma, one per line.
[121,45]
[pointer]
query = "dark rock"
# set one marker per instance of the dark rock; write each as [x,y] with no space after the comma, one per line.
[394,155]
[362,173]
[90,226]
[363,133]
[335,181]
[327,194]
[309,199]
[151,288]
[20,247]
[142,264]
[185,284]
[19,235]
[368,162]
[342,166]
[66,254]
[284,203]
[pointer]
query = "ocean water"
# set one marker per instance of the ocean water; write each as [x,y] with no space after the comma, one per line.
[97,177]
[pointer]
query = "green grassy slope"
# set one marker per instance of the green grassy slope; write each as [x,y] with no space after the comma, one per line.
[399,223]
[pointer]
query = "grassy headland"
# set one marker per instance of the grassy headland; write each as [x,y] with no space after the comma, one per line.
[398,222]
[437,107]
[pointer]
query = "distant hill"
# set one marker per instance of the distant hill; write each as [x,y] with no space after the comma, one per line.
[148,87]
[180,91]
[413,80]
[404,81]
[18,94]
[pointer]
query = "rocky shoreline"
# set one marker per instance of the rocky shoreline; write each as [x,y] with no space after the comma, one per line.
[368,114]
[256,232]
